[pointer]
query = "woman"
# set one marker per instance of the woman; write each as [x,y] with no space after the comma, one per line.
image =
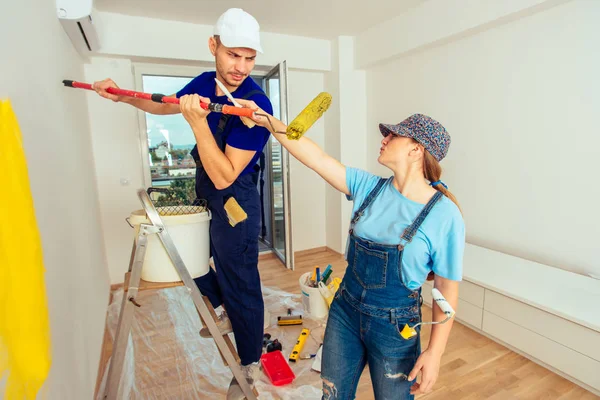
[403,229]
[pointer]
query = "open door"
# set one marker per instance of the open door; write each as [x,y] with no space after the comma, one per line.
[279,170]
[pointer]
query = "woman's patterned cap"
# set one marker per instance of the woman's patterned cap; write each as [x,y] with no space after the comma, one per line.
[425,130]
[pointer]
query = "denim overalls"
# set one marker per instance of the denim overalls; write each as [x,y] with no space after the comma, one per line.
[368,312]
[236,282]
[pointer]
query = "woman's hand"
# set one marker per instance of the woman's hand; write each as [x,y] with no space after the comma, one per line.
[428,364]
[191,110]
[261,117]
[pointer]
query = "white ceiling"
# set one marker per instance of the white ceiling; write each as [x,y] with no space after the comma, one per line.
[313,18]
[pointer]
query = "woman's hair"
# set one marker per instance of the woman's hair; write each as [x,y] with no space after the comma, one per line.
[433,172]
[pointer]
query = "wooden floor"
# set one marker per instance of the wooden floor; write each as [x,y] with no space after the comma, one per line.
[473,367]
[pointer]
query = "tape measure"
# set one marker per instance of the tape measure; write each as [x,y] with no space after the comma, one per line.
[299,345]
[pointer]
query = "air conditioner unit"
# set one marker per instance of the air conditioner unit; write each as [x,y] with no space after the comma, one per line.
[76,19]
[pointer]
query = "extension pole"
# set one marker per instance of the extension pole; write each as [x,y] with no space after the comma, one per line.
[161,98]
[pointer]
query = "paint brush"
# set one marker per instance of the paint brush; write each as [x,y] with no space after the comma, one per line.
[235,213]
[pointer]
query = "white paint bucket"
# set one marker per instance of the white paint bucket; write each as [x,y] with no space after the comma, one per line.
[189,232]
[312,300]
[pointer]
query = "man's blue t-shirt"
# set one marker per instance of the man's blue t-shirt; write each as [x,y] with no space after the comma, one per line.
[240,136]
[439,243]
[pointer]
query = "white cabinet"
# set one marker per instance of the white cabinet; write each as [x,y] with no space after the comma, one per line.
[469,314]
[565,360]
[471,293]
[576,337]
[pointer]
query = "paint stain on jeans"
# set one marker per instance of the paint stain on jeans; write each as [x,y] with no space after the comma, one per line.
[390,375]
[329,390]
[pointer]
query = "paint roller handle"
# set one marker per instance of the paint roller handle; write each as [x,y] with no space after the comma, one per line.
[216,107]
[442,303]
[261,117]
[161,98]
[232,110]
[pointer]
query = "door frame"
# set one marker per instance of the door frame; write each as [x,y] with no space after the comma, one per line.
[288,260]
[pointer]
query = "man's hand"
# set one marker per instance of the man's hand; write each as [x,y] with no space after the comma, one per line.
[191,110]
[428,364]
[101,86]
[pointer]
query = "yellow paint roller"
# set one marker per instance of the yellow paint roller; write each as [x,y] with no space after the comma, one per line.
[311,113]
[409,332]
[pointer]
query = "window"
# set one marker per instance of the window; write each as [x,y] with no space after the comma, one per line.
[170,138]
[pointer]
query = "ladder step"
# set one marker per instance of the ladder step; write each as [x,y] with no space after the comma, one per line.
[145,285]
[226,337]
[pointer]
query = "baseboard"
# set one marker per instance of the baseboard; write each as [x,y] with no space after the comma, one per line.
[316,250]
[266,255]
[309,252]
[329,249]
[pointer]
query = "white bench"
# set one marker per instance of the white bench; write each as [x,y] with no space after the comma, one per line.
[548,315]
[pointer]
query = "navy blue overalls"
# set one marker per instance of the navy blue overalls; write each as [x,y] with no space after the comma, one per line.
[236,283]
[368,312]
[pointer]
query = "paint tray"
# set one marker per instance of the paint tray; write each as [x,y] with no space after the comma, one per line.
[277,368]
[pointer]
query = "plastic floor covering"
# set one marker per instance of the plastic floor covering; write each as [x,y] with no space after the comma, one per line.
[167,359]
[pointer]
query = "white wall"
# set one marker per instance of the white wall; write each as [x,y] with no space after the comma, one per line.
[36,56]
[436,22]
[308,189]
[521,102]
[332,144]
[353,121]
[116,147]
[129,36]
[345,139]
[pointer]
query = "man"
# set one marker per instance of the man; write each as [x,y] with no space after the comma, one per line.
[226,156]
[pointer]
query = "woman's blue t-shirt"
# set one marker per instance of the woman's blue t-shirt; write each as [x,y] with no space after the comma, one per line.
[439,243]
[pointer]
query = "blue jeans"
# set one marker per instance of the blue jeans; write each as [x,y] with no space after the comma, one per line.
[370,309]
[353,339]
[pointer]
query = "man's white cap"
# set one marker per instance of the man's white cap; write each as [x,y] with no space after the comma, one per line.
[237,28]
